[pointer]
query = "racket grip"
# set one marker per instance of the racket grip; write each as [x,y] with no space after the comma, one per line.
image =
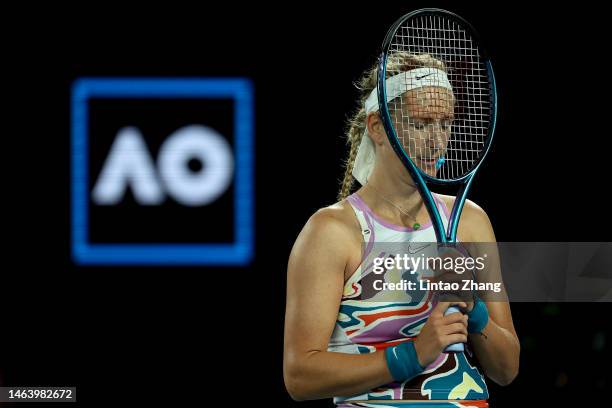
[457,347]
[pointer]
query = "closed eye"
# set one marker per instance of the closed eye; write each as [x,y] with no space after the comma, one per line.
[421,124]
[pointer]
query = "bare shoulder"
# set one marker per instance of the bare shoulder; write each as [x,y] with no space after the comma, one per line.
[331,228]
[336,221]
[474,224]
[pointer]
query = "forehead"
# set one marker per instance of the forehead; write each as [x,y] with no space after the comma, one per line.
[429,100]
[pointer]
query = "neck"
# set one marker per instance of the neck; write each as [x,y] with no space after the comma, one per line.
[400,189]
[397,187]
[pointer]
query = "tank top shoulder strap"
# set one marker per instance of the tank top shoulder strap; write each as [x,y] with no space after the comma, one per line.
[362,216]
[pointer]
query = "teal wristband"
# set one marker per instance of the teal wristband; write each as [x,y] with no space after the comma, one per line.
[403,362]
[478,317]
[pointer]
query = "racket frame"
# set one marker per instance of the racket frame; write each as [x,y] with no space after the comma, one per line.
[421,178]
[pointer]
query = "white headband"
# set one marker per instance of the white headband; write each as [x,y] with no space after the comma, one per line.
[396,86]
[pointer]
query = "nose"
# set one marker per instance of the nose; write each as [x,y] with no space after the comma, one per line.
[438,135]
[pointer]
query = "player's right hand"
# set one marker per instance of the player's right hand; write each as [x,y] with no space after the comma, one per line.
[440,331]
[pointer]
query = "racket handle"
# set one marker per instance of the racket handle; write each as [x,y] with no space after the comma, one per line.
[457,347]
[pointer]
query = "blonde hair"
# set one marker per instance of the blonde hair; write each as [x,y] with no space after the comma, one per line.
[355,128]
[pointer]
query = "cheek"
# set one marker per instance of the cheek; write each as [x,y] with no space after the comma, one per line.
[388,154]
[444,137]
[413,143]
[414,139]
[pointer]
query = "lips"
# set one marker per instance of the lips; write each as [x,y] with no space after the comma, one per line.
[430,162]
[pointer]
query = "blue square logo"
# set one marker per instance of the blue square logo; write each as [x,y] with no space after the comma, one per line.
[162,171]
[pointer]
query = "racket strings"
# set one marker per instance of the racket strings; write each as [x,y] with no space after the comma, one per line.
[443,131]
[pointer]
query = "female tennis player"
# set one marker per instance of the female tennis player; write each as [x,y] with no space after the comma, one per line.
[337,343]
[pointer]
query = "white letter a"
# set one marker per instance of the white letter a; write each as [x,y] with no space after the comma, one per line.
[128,162]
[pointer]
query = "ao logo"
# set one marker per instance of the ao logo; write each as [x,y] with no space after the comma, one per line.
[161,176]
[129,164]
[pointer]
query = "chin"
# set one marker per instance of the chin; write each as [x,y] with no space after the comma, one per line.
[429,171]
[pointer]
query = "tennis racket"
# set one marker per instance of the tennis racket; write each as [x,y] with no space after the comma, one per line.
[439,119]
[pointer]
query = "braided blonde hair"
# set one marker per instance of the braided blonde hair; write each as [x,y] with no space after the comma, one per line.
[356,125]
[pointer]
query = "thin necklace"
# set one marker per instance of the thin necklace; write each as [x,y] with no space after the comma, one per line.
[416,225]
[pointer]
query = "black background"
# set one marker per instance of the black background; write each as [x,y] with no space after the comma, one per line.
[157,119]
[199,334]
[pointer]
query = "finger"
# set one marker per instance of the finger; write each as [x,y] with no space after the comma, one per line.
[455,328]
[441,307]
[455,338]
[459,304]
[454,318]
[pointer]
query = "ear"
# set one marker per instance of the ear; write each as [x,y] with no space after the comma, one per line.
[376,128]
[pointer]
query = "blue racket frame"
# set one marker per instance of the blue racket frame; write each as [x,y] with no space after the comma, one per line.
[421,178]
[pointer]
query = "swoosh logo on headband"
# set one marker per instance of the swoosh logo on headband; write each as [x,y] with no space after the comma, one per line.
[423,76]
